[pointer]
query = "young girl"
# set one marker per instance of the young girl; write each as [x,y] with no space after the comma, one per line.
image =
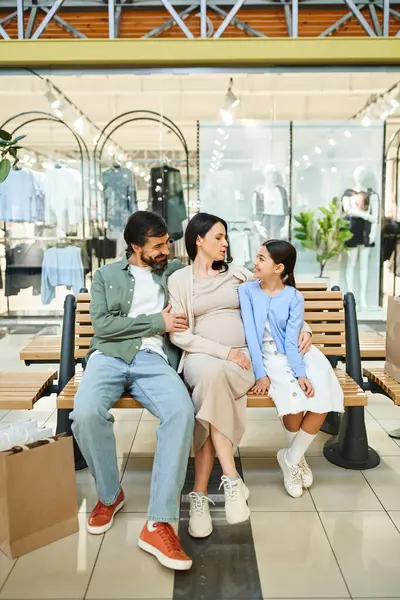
[305,389]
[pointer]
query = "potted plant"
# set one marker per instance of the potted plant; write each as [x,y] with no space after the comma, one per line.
[326,236]
[8,147]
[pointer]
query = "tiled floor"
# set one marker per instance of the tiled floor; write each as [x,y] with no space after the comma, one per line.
[341,540]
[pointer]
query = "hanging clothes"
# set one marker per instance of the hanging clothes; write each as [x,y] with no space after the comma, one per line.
[62,198]
[120,201]
[23,268]
[18,197]
[61,266]
[166,198]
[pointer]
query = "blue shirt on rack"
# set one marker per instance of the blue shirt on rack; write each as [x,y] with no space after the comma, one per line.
[61,266]
[285,312]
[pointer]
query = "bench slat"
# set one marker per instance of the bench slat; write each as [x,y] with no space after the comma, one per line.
[354,395]
[387,383]
[20,392]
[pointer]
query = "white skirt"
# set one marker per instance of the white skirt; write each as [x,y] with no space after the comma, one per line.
[286,392]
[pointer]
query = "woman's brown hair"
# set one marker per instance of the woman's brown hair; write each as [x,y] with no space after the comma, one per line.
[283,253]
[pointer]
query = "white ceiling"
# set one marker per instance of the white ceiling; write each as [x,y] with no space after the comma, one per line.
[185,99]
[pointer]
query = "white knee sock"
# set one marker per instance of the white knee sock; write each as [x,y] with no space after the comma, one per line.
[299,446]
[290,435]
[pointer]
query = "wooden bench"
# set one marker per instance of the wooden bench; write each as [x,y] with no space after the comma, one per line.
[324,311]
[372,345]
[380,383]
[42,349]
[21,390]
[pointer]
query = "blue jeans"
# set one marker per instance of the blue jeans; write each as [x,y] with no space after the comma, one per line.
[151,380]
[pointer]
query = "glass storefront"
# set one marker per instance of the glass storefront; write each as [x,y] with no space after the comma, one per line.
[100,146]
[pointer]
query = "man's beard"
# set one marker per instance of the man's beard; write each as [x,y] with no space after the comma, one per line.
[156,265]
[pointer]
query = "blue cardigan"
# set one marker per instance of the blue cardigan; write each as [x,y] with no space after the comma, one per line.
[285,312]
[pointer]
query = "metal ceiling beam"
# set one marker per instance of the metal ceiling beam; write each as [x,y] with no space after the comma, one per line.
[20,18]
[227,21]
[335,26]
[9,17]
[386,16]
[177,18]
[375,20]
[360,18]
[295,18]
[47,19]
[4,34]
[111,19]
[238,22]
[203,18]
[67,26]
[288,17]
[118,12]
[171,22]
[31,22]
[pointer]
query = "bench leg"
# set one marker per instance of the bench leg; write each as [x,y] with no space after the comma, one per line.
[66,372]
[350,448]
[331,424]
[64,426]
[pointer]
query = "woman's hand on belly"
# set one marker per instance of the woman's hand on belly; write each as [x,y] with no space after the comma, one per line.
[238,357]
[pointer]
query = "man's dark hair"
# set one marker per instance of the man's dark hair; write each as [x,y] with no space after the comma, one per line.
[142,225]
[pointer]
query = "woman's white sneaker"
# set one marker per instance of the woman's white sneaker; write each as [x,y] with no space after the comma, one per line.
[306,473]
[236,496]
[200,523]
[291,475]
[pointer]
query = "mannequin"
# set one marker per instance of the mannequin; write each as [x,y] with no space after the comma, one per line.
[361,206]
[271,206]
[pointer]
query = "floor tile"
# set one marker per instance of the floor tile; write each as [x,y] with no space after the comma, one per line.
[265,438]
[6,564]
[390,424]
[262,414]
[147,416]
[381,407]
[338,489]
[395,516]
[123,570]
[125,432]
[86,489]
[385,481]
[58,571]
[16,416]
[145,440]
[136,484]
[3,413]
[380,441]
[294,557]
[367,546]
[263,477]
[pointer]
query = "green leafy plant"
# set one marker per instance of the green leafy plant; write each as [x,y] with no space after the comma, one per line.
[8,147]
[326,236]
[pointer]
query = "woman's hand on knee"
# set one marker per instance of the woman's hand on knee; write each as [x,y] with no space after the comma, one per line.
[261,386]
[238,357]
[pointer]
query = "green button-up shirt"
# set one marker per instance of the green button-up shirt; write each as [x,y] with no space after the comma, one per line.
[116,334]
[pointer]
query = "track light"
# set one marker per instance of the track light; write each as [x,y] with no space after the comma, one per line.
[231,102]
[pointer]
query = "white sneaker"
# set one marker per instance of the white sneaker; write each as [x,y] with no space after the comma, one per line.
[306,473]
[291,475]
[236,495]
[200,523]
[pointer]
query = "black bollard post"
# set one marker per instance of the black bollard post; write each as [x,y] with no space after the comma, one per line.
[331,425]
[350,448]
[66,372]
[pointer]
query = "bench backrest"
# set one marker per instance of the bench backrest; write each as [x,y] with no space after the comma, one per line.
[323,312]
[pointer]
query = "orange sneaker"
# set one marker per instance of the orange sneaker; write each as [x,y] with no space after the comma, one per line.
[164,544]
[102,516]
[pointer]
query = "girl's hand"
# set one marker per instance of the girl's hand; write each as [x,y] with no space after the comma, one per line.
[304,342]
[306,386]
[261,386]
[238,357]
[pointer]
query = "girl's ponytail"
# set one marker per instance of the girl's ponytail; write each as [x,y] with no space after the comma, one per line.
[290,280]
